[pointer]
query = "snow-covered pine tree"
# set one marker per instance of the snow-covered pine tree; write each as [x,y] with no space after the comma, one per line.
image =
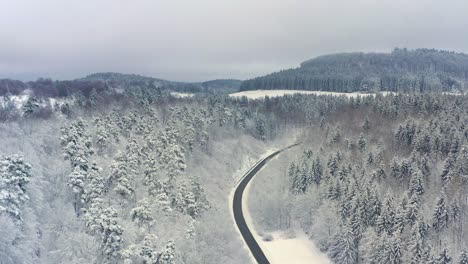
[416,182]
[449,165]
[31,106]
[366,125]
[386,221]
[15,173]
[463,259]
[142,214]
[77,144]
[111,233]
[412,211]
[77,181]
[416,248]
[167,255]
[362,142]
[317,170]
[173,159]
[444,257]
[395,169]
[102,136]
[440,216]
[392,254]
[97,184]
[344,246]
[122,175]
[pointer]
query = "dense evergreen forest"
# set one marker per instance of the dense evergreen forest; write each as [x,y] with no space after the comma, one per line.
[420,70]
[381,180]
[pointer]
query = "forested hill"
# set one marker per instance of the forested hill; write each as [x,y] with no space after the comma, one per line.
[102,82]
[420,70]
[132,80]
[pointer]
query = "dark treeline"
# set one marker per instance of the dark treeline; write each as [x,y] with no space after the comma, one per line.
[420,70]
[100,82]
[49,88]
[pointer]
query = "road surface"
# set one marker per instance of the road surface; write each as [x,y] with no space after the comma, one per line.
[249,239]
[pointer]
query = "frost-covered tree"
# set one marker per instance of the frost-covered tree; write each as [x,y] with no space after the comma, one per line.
[123,170]
[77,181]
[344,247]
[97,184]
[366,125]
[416,248]
[103,133]
[386,220]
[77,144]
[416,183]
[392,253]
[440,216]
[449,165]
[188,202]
[412,211]
[142,214]
[174,160]
[444,257]
[111,233]
[167,255]
[463,259]
[362,142]
[31,106]
[190,232]
[15,174]
[317,170]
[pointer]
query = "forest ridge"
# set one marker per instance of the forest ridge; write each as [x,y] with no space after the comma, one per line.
[402,70]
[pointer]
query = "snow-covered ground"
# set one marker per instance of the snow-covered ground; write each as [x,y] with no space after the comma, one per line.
[259,94]
[181,95]
[292,248]
[20,100]
[282,247]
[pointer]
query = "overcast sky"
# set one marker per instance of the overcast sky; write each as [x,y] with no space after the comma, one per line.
[197,40]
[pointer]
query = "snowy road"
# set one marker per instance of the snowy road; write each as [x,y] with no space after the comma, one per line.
[249,238]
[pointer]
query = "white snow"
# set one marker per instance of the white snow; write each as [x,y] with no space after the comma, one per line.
[282,248]
[292,250]
[259,94]
[18,100]
[181,95]
[453,93]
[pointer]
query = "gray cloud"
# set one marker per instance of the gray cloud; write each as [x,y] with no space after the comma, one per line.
[192,40]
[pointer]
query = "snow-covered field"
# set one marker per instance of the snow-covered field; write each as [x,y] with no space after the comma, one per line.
[259,94]
[297,249]
[181,95]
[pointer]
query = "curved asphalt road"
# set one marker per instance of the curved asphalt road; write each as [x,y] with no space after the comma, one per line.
[237,208]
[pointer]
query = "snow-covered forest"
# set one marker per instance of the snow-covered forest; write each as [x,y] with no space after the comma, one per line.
[381,180]
[141,176]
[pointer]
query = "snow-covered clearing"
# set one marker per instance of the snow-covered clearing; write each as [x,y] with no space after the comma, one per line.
[259,94]
[181,95]
[291,247]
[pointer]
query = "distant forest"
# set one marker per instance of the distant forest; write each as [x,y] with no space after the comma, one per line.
[109,81]
[403,70]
